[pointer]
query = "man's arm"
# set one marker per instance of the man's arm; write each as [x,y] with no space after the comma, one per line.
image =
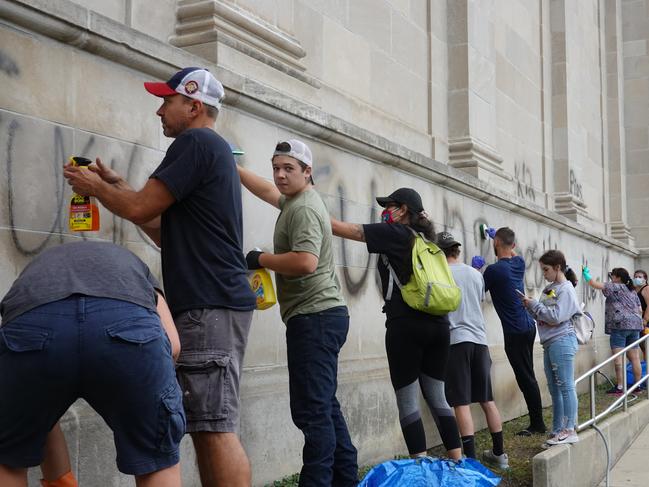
[351,231]
[137,206]
[168,325]
[261,188]
[645,295]
[152,229]
[289,263]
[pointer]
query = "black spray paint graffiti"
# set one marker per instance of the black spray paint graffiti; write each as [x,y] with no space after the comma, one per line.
[8,66]
[57,228]
[354,286]
[575,187]
[524,182]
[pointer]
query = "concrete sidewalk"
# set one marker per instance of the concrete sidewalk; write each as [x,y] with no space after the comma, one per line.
[631,470]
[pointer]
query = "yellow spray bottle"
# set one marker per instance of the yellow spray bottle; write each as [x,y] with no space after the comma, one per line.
[84,212]
[262,285]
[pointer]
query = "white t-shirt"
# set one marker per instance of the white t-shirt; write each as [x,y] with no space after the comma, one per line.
[467,322]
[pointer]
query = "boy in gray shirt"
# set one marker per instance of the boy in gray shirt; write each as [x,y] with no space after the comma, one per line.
[468,372]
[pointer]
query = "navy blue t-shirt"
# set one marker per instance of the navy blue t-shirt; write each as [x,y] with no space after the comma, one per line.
[501,280]
[201,232]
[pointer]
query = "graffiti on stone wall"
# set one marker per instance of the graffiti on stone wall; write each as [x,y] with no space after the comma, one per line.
[8,66]
[56,227]
[524,182]
[575,186]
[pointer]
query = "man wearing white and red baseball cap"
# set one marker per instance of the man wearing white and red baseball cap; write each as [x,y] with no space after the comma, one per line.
[191,207]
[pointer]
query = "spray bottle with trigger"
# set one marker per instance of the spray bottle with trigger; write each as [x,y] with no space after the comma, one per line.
[84,212]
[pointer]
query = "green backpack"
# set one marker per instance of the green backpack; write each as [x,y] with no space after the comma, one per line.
[431,287]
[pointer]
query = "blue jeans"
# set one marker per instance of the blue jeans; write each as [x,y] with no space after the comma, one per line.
[313,342]
[559,364]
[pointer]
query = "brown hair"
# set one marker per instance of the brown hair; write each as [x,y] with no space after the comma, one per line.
[624,276]
[506,235]
[556,257]
[453,251]
[640,271]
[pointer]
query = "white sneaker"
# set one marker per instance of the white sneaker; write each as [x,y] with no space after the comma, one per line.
[564,437]
[498,461]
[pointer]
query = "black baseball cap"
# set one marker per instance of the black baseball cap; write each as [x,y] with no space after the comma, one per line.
[445,240]
[403,196]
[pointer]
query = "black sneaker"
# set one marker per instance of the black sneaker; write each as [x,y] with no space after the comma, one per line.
[529,431]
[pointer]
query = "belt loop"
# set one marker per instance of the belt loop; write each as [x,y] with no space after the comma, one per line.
[81,309]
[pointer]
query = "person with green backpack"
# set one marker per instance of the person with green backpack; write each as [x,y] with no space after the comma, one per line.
[419,292]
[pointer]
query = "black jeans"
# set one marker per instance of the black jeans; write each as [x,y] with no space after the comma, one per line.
[313,342]
[519,349]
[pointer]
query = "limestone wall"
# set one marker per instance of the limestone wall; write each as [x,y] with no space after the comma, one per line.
[511,105]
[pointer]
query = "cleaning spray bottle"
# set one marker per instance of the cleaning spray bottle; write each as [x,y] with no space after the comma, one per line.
[262,285]
[84,212]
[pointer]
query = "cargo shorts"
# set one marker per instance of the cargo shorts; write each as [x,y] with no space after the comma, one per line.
[213,343]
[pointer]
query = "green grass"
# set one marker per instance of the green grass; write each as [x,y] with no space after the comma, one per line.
[520,449]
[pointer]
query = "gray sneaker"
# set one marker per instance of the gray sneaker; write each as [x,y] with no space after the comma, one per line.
[498,461]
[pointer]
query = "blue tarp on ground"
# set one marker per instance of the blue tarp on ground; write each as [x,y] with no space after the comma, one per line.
[430,472]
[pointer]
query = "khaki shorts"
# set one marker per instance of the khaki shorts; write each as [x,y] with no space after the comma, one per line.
[213,343]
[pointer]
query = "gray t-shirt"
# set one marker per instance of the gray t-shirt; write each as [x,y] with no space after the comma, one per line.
[467,322]
[554,310]
[99,269]
[304,225]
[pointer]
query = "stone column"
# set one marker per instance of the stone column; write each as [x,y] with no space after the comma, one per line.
[636,121]
[472,91]
[617,217]
[568,198]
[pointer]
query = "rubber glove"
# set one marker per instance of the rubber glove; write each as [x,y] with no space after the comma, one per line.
[585,271]
[252,259]
[491,231]
[477,262]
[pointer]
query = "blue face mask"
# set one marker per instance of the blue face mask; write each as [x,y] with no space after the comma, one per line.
[639,281]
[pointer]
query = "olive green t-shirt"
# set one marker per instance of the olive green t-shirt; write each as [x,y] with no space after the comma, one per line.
[304,225]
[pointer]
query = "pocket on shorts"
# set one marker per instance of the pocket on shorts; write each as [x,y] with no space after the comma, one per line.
[205,384]
[172,419]
[20,338]
[137,330]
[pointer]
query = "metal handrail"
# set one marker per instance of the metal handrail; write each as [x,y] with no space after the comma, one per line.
[623,399]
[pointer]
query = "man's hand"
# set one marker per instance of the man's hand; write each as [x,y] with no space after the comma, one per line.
[252,259]
[83,181]
[106,173]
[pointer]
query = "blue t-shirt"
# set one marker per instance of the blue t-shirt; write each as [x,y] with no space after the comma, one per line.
[201,232]
[501,280]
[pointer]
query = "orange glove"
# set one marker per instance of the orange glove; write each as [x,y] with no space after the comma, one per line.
[66,480]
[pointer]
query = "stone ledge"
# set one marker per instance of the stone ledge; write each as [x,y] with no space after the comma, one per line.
[584,463]
[67,22]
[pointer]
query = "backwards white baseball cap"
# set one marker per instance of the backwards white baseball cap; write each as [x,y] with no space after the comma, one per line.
[196,83]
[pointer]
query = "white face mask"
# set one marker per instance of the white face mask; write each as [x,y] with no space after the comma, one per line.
[639,281]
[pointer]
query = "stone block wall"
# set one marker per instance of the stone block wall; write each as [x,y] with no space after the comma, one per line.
[485,110]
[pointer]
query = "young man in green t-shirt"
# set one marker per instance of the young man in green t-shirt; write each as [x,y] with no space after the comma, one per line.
[313,310]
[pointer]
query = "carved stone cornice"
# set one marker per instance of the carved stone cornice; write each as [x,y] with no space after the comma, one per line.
[213,22]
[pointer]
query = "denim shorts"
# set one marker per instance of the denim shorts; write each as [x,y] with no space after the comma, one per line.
[213,342]
[624,338]
[113,354]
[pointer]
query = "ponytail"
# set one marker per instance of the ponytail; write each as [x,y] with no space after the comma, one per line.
[624,276]
[570,275]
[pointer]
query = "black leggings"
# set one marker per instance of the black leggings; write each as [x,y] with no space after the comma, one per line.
[417,352]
